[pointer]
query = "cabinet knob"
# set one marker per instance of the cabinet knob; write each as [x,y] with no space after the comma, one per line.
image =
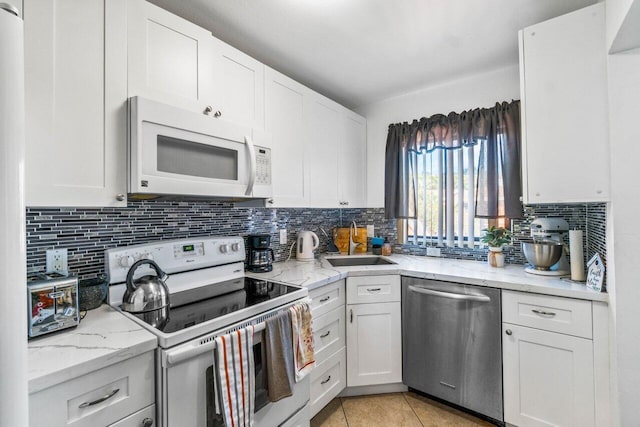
[120,197]
[508,332]
[270,201]
[207,110]
[218,113]
[147,422]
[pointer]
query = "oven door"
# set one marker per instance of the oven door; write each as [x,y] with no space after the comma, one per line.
[173,151]
[186,377]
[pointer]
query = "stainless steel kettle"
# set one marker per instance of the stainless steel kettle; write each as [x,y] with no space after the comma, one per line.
[148,292]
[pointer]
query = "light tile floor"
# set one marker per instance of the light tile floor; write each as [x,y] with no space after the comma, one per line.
[394,409]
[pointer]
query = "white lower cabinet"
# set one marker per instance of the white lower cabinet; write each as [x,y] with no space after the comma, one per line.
[548,376]
[374,330]
[143,418]
[100,398]
[328,379]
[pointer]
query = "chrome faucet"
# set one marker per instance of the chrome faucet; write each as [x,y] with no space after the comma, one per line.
[353,231]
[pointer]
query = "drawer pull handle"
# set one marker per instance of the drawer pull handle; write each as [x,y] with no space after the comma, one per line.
[448,385]
[326,334]
[374,289]
[147,422]
[325,299]
[326,381]
[543,313]
[351,316]
[100,400]
[508,332]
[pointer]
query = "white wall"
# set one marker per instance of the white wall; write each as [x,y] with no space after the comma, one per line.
[623,257]
[480,90]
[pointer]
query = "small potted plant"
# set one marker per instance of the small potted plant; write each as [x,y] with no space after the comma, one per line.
[496,238]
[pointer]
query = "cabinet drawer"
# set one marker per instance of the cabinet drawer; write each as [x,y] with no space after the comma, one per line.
[143,418]
[556,314]
[327,298]
[328,379]
[65,404]
[328,334]
[372,289]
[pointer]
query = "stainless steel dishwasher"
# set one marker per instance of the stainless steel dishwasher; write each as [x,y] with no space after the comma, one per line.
[452,343]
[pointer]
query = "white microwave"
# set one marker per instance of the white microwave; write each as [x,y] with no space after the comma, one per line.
[179,152]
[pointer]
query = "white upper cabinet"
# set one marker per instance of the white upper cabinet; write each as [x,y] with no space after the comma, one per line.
[238,82]
[352,160]
[565,156]
[75,102]
[322,136]
[284,120]
[170,59]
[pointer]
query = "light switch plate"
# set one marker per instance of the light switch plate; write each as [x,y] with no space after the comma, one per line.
[370,231]
[283,236]
[433,251]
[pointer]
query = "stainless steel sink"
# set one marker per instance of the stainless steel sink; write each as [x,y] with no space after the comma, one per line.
[359,260]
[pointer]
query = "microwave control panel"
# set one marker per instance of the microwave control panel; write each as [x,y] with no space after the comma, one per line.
[263,166]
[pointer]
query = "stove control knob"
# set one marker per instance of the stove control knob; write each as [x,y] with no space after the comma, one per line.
[126,261]
[235,247]
[224,248]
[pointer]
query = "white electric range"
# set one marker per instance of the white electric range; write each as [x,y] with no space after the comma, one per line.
[209,296]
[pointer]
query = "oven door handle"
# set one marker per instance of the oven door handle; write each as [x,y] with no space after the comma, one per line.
[178,355]
[252,163]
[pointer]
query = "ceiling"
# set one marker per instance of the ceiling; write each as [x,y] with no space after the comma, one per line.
[363,51]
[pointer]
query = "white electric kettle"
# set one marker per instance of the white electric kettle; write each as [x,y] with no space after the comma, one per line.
[307,242]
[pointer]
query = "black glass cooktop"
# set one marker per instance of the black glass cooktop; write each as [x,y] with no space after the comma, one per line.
[200,305]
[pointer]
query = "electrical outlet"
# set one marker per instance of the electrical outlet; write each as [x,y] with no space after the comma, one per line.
[370,231]
[283,236]
[433,251]
[57,261]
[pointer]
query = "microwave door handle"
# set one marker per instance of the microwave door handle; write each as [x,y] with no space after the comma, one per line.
[252,162]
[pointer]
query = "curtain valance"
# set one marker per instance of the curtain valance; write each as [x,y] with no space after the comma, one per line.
[450,132]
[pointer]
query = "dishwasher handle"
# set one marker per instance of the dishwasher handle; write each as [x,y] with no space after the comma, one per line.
[450,295]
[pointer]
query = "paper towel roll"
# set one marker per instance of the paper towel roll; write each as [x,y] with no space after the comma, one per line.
[577,256]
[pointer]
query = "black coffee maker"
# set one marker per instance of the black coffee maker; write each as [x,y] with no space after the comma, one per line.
[260,254]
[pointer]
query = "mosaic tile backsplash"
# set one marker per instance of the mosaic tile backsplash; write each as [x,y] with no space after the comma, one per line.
[86,233]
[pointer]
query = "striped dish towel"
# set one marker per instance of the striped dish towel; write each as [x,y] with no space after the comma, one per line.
[236,377]
[304,357]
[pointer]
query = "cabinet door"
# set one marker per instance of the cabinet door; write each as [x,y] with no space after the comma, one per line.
[284,101]
[238,82]
[352,160]
[374,344]
[564,109]
[322,121]
[548,378]
[75,102]
[170,59]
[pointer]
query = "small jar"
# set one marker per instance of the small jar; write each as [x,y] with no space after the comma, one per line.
[386,249]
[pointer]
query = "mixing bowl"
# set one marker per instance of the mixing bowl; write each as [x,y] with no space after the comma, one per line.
[542,255]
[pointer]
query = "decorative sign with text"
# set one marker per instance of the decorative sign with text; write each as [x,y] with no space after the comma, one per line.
[595,277]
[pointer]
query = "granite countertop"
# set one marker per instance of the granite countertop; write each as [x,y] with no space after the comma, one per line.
[320,272]
[104,337]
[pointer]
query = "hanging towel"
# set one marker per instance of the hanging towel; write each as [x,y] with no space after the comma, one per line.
[304,358]
[236,376]
[279,356]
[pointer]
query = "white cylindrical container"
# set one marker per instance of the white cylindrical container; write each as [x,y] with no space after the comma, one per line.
[577,255]
[14,397]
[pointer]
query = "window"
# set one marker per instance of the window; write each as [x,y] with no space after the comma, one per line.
[452,176]
[446,191]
